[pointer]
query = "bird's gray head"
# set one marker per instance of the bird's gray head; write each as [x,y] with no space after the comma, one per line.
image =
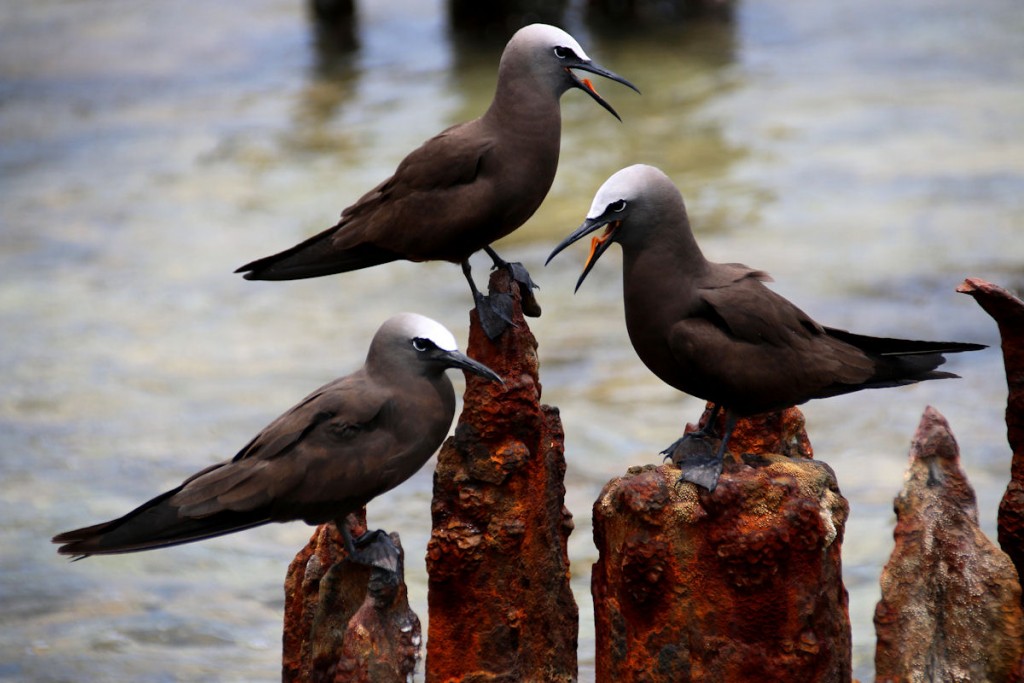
[628,205]
[409,343]
[549,55]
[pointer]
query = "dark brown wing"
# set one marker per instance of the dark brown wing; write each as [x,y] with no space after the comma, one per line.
[437,195]
[304,465]
[738,302]
[315,462]
[432,208]
[752,350]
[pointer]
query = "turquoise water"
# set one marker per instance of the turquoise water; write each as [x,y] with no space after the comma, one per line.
[870,157]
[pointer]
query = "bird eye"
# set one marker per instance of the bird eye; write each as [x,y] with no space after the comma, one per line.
[563,52]
[618,207]
[421,344]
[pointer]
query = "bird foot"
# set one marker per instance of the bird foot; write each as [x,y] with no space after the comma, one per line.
[376,549]
[495,313]
[680,449]
[697,458]
[521,276]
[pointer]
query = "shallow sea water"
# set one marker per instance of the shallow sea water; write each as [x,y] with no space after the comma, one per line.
[870,157]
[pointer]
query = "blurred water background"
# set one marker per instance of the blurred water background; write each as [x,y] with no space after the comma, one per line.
[869,155]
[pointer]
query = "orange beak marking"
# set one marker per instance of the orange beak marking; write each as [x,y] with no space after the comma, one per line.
[598,240]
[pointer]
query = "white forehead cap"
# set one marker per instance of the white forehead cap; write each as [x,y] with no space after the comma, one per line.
[551,37]
[413,325]
[627,184]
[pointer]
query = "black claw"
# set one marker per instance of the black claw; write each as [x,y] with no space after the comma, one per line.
[495,313]
[703,473]
[521,275]
[376,549]
[697,458]
[687,445]
[669,452]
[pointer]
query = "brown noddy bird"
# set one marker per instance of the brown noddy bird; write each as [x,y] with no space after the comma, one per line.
[346,443]
[465,188]
[715,331]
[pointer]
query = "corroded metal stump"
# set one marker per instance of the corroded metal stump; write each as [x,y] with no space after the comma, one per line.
[501,608]
[950,607]
[1008,312]
[742,584]
[345,621]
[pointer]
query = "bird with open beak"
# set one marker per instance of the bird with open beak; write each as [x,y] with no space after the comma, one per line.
[715,331]
[465,188]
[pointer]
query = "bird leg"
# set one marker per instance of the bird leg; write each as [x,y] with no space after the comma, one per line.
[708,430]
[517,270]
[520,276]
[494,311]
[373,548]
[695,457]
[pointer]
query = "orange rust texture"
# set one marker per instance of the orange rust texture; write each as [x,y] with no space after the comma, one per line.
[501,608]
[950,608]
[342,622]
[781,432]
[742,584]
[1008,312]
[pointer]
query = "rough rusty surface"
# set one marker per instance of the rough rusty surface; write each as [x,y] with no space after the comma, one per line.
[781,432]
[950,608]
[345,621]
[1008,312]
[742,584]
[302,593]
[501,608]
[382,639]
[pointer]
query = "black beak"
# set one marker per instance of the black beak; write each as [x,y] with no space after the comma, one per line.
[598,245]
[586,86]
[457,359]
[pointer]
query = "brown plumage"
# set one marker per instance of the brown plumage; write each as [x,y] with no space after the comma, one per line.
[713,330]
[346,443]
[465,188]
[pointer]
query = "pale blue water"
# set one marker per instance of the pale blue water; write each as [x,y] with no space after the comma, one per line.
[869,156]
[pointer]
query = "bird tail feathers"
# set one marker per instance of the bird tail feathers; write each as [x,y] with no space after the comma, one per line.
[887,346]
[154,524]
[316,257]
[896,362]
